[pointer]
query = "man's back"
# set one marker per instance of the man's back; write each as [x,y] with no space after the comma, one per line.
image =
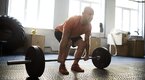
[74,26]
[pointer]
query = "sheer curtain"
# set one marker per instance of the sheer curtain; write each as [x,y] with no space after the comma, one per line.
[33,13]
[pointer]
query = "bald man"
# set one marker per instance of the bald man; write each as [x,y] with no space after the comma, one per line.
[69,34]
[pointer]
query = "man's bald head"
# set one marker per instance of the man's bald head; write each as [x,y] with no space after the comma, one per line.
[88,9]
[87,15]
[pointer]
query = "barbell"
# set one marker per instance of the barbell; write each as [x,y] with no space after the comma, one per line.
[35,60]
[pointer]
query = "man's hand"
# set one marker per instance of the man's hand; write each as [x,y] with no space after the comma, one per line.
[86,57]
[86,54]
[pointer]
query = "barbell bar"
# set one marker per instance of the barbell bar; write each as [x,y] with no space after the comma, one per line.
[15,62]
[35,60]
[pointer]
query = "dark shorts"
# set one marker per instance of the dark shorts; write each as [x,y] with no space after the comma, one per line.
[58,36]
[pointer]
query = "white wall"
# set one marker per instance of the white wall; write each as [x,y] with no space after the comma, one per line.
[109,16]
[61,11]
[50,40]
[60,15]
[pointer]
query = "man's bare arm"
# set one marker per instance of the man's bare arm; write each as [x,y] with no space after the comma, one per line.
[87,36]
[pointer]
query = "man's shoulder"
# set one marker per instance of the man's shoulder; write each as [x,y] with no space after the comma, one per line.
[75,17]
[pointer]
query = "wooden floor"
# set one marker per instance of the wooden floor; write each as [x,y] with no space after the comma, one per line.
[121,68]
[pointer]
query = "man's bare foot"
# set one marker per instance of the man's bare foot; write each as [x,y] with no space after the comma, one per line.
[63,70]
[76,68]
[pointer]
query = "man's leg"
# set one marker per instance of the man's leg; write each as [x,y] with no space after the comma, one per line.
[62,68]
[78,54]
[58,36]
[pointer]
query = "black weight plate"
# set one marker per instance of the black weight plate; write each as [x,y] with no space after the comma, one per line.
[37,65]
[102,58]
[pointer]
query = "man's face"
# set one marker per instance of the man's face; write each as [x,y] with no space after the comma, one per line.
[88,16]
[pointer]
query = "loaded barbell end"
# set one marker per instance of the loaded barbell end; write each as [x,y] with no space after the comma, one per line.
[14,62]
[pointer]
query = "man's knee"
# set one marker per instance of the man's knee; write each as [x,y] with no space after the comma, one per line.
[82,45]
[69,43]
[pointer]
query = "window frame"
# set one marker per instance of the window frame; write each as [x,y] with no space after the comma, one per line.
[131,27]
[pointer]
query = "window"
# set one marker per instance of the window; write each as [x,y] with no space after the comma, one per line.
[129,16]
[33,13]
[97,5]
